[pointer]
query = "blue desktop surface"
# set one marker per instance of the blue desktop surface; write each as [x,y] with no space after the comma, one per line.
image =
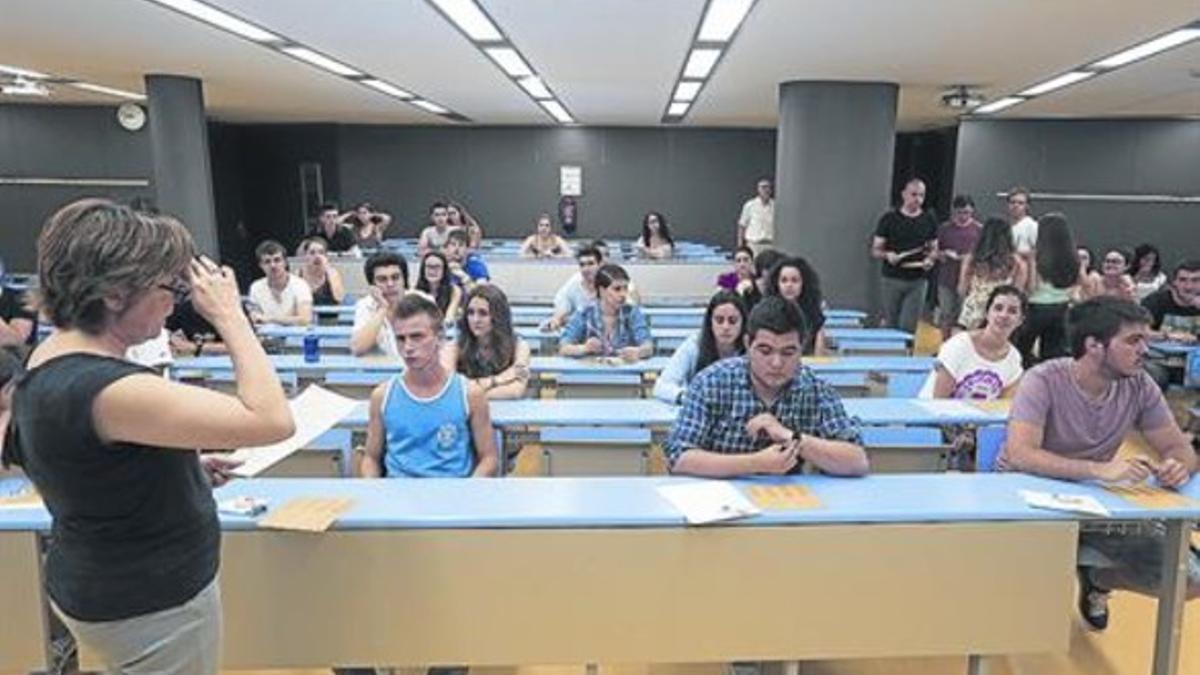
[869,334]
[516,503]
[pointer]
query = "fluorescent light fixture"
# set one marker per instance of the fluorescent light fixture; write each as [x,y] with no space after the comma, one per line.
[536,88]
[21,72]
[510,61]
[387,88]
[430,106]
[1064,80]
[1149,48]
[470,18]
[700,63]
[998,105]
[722,19]
[101,89]
[558,111]
[687,90]
[321,61]
[215,17]
[678,108]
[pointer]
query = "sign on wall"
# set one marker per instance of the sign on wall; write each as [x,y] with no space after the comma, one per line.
[570,181]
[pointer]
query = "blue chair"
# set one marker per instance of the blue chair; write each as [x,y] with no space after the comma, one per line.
[989,442]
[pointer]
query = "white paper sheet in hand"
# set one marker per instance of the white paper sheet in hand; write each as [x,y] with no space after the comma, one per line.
[710,501]
[315,411]
[1057,501]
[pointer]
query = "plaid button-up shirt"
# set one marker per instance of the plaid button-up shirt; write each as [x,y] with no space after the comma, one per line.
[721,399]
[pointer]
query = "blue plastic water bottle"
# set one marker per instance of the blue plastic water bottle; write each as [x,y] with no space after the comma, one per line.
[312,347]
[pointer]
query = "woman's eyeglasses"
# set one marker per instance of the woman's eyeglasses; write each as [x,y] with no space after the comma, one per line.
[180,290]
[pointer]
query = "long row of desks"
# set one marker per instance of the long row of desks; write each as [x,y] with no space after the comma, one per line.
[499,572]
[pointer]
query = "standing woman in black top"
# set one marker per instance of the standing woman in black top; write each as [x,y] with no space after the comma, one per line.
[111,446]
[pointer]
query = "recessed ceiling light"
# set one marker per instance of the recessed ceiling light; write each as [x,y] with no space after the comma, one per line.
[700,63]
[470,18]
[998,105]
[678,108]
[1064,80]
[387,88]
[1149,48]
[722,19]
[213,16]
[536,88]
[101,89]
[509,60]
[558,111]
[321,61]
[430,106]
[21,72]
[687,90]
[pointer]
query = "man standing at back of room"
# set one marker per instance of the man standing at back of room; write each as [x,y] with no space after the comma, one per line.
[956,240]
[906,241]
[1024,227]
[1069,418]
[756,224]
[765,413]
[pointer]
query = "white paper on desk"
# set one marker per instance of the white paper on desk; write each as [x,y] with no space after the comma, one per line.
[315,411]
[710,501]
[1057,501]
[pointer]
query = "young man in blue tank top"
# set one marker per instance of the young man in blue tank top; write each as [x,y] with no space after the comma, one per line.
[427,422]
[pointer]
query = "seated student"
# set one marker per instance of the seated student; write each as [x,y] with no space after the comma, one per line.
[433,237]
[721,337]
[608,326]
[741,279]
[656,242]
[794,279]
[190,333]
[1175,308]
[18,324]
[1147,270]
[578,292]
[280,296]
[466,266]
[427,421]
[1068,419]
[323,279]
[1113,279]
[982,363]
[474,235]
[329,227]
[434,279]
[372,331]
[487,350]
[544,243]
[764,413]
[367,224]
[633,297]
[764,261]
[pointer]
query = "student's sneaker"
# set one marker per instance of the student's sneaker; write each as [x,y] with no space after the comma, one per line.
[1093,602]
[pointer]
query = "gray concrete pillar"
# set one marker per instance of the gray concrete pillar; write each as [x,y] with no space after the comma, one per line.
[179,146]
[833,170]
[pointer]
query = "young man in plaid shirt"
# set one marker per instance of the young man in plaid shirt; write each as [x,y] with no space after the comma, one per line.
[764,413]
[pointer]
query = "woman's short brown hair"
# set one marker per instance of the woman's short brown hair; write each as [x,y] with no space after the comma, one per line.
[92,249]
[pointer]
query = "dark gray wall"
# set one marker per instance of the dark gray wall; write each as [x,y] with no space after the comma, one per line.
[1092,156]
[506,176]
[60,142]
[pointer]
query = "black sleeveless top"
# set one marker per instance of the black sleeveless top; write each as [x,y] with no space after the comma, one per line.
[135,528]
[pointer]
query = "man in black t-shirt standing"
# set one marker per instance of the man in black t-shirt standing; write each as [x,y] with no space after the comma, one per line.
[906,241]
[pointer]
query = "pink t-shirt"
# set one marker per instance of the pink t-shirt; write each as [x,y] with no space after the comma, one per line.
[1079,427]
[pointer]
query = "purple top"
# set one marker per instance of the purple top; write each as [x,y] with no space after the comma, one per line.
[962,241]
[1079,427]
[728,281]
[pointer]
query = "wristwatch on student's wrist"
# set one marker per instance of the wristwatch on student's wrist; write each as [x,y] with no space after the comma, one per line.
[199,344]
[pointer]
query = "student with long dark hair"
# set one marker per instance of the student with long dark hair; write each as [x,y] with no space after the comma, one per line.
[434,279]
[1147,270]
[982,364]
[720,337]
[656,241]
[794,279]
[764,260]
[487,350]
[993,263]
[1055,282]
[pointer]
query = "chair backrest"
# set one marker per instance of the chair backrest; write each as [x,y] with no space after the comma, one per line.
[905,449]
[595,451]
[989,442]
[1191,370]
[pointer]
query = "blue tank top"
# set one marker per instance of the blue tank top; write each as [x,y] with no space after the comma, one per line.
[427,437]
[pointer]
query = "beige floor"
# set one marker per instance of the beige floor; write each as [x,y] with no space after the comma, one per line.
[1124,649]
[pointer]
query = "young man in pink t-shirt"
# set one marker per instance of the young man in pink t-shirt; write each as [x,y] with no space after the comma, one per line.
[1068,419]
